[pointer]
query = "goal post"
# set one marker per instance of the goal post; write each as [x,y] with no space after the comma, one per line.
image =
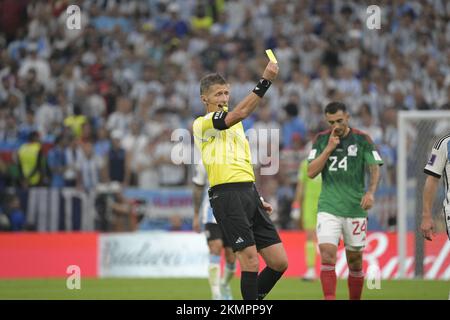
[417,131]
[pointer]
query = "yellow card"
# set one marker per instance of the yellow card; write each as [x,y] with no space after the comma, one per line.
[271,55]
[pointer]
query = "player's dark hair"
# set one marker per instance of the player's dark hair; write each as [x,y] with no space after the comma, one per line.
[334,107]
[209,80]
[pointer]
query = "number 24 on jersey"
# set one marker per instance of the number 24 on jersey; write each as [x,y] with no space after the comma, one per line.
[335,165]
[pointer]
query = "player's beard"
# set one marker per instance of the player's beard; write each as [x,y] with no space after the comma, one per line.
[340,132]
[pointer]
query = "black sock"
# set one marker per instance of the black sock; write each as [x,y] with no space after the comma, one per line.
[249,285]
[266,281]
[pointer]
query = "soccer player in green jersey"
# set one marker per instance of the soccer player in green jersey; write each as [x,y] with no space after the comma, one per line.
[240,212]
[341,155]
[306,202]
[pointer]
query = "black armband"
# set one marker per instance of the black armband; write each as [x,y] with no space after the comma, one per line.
[218,120]
[262,87]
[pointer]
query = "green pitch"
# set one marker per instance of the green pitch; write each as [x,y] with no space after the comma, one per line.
[198,289]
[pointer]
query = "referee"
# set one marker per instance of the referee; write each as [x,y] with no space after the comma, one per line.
[240,212]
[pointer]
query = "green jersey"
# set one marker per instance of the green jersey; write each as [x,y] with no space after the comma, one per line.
[343,176]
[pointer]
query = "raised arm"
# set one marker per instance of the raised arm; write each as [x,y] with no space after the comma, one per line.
[249,103]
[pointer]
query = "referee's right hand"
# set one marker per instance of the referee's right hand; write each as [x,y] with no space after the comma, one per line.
[271,71]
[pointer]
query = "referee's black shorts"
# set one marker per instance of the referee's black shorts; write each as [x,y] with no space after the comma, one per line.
[214,232]
[238,210]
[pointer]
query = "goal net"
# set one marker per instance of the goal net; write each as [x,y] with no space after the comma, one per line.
[417,131]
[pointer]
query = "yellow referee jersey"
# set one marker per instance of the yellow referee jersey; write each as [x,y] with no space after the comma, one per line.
[225,153]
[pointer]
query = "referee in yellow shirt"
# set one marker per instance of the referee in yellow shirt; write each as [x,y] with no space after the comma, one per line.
[239,210]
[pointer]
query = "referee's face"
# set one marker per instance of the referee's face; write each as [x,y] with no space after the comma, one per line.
[216,97]
[339,122]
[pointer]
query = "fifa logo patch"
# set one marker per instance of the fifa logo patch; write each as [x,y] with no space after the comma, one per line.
[432,159]
[352,150]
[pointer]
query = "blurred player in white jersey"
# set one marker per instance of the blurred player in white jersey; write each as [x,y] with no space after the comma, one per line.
[220,287]
[438,165]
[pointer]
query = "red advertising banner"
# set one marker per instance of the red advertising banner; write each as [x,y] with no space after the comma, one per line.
[28,255]
[380,254]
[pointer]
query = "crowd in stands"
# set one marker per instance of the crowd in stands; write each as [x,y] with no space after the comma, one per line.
[99,104]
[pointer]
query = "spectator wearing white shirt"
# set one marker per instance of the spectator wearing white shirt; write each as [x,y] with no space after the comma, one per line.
[133,143]
[41,66]
[47,115]
[146,167]
[170,174]
[89,168]
[321,86]
[285,55]
[368,126]
[73,154]
[266,129]
[348,83]
[120,120]
[148,83]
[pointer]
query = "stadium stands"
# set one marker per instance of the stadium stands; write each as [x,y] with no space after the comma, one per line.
[131,75]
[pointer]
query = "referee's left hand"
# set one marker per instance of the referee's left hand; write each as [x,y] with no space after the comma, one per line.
[267,206]
[271,71]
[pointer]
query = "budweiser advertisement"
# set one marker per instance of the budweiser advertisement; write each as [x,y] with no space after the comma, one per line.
[40,255]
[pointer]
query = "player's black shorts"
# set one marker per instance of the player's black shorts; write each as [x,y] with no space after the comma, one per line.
[214,232]
[238,209]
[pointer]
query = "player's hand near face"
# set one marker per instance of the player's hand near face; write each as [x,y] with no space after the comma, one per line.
[333,141]
[271,71]
[367,201]
[427,227]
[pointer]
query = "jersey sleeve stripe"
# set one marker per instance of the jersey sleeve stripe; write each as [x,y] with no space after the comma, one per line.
[438,143]
[431,173]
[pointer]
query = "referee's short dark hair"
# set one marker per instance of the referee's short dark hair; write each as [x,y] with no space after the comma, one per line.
[210,80]
[334,107]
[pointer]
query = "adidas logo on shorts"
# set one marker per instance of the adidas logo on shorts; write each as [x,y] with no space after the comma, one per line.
[239,240]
